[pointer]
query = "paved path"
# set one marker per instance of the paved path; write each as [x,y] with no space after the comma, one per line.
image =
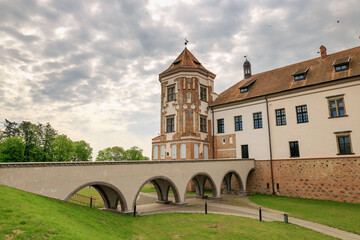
[146,206]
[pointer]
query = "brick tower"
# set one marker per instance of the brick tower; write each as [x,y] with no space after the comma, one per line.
[185,128]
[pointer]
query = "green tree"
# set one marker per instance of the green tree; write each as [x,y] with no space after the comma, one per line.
[48,137]
[31,134]
[119,154]
[82,150]
[12,150]
[2,136]
[105,155]
[11,129]
[134,153]
[62,149]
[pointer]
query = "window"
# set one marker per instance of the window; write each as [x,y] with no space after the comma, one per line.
[280,117]
[171,93]
[294,149]
[299,77]
[244,151]
[245,88]
[301,113]
[257,120]
[170,124]
[189,113]
[220,124]
[342,67]
[203,91]
[341,64]
[344,144]
[336,107]
[188,95]
[197,63]
[177,63]
[238,123]
[202,124]
[300,74]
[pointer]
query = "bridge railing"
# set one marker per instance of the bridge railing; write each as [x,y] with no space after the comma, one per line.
[83,200]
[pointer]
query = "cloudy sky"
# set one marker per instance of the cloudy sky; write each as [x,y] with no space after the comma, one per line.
[91,67]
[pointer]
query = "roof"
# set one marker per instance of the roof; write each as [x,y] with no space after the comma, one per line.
[186,61]
[282,79]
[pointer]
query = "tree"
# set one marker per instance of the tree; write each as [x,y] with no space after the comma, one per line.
[2,136]
[118,154]
[12,150]
[134,153]
[48,137]
[31,134]
[11,129]
[105,155]
[62,149]
[82,150]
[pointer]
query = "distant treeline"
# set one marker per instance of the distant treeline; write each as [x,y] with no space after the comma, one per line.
[28,142]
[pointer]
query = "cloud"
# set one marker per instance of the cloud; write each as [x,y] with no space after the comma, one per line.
[90,68]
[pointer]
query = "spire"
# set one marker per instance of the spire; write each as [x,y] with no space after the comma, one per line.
[247,68]
[186,61]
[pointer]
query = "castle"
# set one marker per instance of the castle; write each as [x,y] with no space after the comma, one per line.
[301,123]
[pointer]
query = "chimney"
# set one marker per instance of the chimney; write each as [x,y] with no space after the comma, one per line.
[323,51]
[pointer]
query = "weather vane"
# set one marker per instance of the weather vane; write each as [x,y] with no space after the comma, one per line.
[186,42]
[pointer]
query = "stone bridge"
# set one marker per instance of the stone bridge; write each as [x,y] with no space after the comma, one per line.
[122,181]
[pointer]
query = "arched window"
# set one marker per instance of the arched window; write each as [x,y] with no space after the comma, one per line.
[188,95]
[183,150]
[173,151]
[162,152]
[206,152]
[196,151]
[156,152]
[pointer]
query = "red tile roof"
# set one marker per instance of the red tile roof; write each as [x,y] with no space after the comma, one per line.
[186,61]
[282,79]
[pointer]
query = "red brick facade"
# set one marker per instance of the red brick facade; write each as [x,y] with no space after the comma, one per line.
[336,179]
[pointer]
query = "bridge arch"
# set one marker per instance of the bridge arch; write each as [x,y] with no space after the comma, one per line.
[162,185]
[110,194]
[227,179]
[199,180]
[250,175]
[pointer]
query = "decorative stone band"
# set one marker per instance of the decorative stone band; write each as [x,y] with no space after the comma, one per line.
[62,164]
[181,141]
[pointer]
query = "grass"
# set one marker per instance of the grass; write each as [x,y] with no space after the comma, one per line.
[27,216]
[345,216]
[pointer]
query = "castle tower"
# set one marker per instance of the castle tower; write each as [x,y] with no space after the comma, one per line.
[185,128]
[247,69]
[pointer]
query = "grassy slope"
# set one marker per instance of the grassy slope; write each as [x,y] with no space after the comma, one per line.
[344,216]
[24,216]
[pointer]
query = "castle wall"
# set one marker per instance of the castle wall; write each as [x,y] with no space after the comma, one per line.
[335,179]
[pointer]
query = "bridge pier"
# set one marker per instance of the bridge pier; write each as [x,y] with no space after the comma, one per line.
[162,188]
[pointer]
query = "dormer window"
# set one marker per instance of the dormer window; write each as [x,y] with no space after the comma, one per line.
[300,74]
[341,64]
[177,63]
[245,88]
[197,63]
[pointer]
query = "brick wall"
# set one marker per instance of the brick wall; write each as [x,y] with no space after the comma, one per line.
[336,179]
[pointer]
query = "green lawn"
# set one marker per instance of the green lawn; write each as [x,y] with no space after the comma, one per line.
[28,216]
[344,216]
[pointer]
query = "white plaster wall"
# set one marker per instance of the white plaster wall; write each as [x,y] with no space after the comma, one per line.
[256,139]
[316,138]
